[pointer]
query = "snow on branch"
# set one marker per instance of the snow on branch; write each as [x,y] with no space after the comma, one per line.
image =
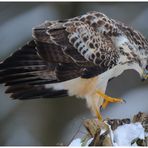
[115,132]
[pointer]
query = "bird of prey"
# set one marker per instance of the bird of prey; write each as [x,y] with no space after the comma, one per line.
[77,56]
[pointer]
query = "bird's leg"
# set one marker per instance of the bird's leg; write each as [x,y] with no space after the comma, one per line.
[108,99]
[98,114]
[95,106]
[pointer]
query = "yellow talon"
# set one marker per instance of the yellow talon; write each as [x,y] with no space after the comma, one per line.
[97,111]
[105,104]
[109,99]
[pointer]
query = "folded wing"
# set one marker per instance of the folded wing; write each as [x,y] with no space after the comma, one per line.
[60,51]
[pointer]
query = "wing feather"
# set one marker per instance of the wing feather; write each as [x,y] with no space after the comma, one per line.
[61,51]
[26,77]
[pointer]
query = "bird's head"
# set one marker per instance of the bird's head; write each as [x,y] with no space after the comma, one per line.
[145,72]
[140,60]
[143,58]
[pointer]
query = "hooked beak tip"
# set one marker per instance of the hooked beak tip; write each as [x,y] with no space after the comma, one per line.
[145,76]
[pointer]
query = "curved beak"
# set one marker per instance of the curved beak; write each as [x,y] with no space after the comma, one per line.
[145,75]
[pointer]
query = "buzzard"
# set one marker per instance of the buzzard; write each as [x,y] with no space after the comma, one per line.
[77,56]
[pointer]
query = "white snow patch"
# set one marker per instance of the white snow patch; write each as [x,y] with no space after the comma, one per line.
[125,134]
[76,142]
[122,136]
[102,131]
[89,141]
[146,134]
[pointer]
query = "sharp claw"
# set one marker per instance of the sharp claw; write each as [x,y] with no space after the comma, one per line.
[123,101]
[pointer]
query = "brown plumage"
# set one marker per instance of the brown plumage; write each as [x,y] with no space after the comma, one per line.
[77,56]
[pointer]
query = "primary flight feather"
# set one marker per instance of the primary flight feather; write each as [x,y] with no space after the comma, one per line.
[77,56]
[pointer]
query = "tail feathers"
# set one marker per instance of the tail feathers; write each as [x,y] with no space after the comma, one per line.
[25,75]
[24,92]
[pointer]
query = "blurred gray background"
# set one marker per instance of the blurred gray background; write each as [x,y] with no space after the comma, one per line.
[57,121]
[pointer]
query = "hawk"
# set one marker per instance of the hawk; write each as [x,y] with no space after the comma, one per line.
[77,56]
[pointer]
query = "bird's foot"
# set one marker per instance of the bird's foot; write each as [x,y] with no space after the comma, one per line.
[109,99]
